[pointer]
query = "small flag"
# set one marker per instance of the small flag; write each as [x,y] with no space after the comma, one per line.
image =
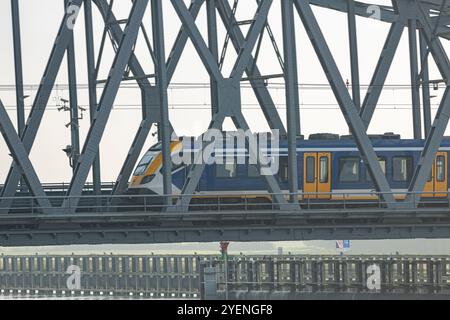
[343,244]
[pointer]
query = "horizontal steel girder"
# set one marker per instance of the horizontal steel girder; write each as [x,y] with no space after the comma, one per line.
[134,228]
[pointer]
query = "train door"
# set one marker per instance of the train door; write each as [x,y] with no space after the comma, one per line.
[437,182]
[317,176]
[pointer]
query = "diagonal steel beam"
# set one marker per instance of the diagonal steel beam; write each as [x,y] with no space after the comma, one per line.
[149,92]
[381,72]
[261,92]
[212,66]
[150,108]
[20,156]
[63,38]
[255,30]
[271,181]
[226,108]
[197,169]
[97,129]
[346,104]
[181,40]
[117,35]
[199,43]
[199,165]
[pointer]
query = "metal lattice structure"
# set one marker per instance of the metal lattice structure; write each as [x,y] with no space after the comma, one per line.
[430,18]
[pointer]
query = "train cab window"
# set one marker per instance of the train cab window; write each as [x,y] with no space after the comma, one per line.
[284,168]
[440,168]
[349,169]
[402,169]
[382,162]
[145,162]
[323,169]
[228,170]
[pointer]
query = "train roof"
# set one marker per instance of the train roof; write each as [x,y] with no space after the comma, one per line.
[352,143]
[335,141]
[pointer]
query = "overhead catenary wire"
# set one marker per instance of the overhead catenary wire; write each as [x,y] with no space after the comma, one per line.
[245,106]
[205,85]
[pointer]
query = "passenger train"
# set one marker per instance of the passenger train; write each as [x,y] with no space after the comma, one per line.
[329,168]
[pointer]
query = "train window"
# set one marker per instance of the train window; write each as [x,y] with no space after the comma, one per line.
[382,162]
[402,169]
[440,168]
[349,169]
[228,170]
[323,174]
[310,169]
[284,169]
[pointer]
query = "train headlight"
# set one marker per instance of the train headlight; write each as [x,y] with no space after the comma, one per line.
[148,179]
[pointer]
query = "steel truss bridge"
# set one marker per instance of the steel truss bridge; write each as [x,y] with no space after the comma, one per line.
[91,214]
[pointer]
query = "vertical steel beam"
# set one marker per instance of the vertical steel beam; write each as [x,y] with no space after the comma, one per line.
[162,84]
[214,48]
[354,59]
[346,104]
[21,158]
[425,85]
[92,81]
[18,66]
[61,43]
[415,88]
[73,100]
[291,79]
[96,131]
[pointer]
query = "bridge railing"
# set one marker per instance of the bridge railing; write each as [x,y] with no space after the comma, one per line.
[227,202]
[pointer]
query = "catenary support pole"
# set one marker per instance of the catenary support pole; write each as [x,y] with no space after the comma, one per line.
[90,51]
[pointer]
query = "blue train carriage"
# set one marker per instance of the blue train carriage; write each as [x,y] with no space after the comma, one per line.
[330,168]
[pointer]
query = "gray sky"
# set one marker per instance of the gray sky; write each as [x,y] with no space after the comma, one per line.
[40,21]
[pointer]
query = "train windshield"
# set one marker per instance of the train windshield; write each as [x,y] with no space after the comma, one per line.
[147,160]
